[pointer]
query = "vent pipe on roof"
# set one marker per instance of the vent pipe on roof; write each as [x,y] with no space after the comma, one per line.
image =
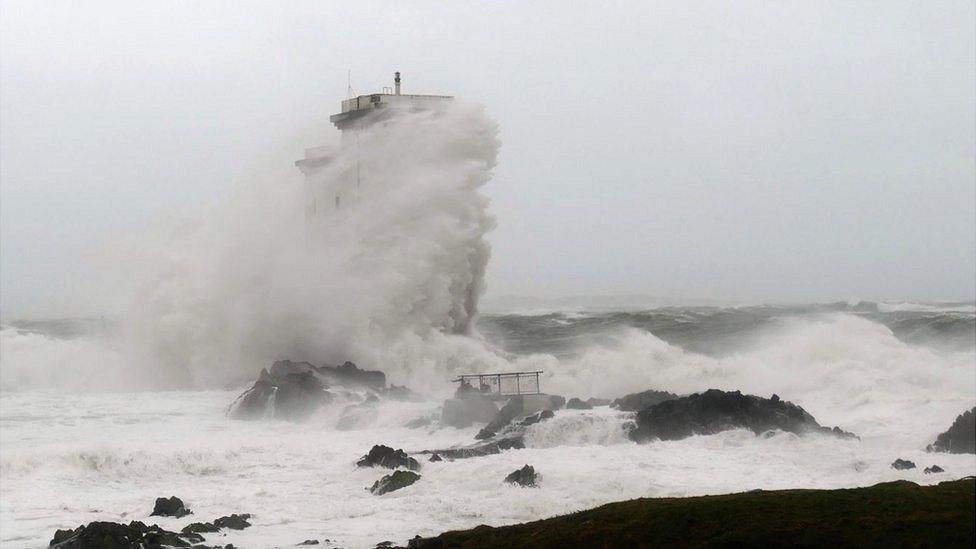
[396,82]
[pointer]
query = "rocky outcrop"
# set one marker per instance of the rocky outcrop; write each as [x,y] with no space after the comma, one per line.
[960,438]
[435,457]
[169,507]
[714,411]
[519,407]
[135,535]
[933,469]
[902,464]
[232,522]
[394,481]
[384,456]
[348,375]
[526,477]
[638,401]
[598,401]
[577,404]
[289,390]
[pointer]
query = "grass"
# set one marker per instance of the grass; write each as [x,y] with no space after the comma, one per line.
[894,514]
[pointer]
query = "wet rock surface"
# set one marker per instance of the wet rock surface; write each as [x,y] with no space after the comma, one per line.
[902,464]
[577,404]
[384,456]
[933,469]
[349,375]
[394,481]
[960,438]
[526,477]
[638,401]
[289,390]
[169,507]
[233,522]
[714,411]
[468,410]
[486,448]
[519,407]
[135,535]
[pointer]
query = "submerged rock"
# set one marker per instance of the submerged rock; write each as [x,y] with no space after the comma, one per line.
[135,535]
[592,401]
[169,507]
[933,469]
[526,477]
[961,436]
[435,457]
[384,456]
[394,481]
[714,411]
[233,522]
[486,448]
[638,401]
[577,404]
[902,464]
[290,390]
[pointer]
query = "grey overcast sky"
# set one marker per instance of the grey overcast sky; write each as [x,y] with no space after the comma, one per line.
[781,151]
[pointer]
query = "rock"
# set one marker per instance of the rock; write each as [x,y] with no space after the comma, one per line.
[902,464]
[471,409]
[289,391]
[714,411]
[349,375]
[400,393]
[961,436]
[487,448]
[526,476]
[170,507]
[519,407]
[198,527]
[577,404]
[135,535]
[309,542]
[395,481]
[384,456]
[933,469]
[435,457]
[598,401]
[638,401]
[234,522]
[537,417]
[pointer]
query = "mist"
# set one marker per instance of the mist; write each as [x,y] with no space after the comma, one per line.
[796,152]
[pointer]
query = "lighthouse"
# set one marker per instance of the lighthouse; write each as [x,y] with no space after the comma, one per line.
[323,197]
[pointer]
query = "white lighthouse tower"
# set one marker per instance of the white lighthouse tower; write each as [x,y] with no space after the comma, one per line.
[323,197]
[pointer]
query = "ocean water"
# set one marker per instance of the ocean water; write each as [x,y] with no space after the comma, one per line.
[76,450]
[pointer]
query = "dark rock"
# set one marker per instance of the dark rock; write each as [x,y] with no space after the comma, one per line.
[135,535]
[577,404]
[418,542]
[537,417]
[902,464]
[487,448]
[519,407]
[435,457]
[526,476]
[169,507]
[291,390]
[961,436]
[471,409]
[309,542]
[197,527]
[234,522]
[933,469]
[714,411]
[349,375]
[384,456]
[395,481]
[638,401]
[598,401]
